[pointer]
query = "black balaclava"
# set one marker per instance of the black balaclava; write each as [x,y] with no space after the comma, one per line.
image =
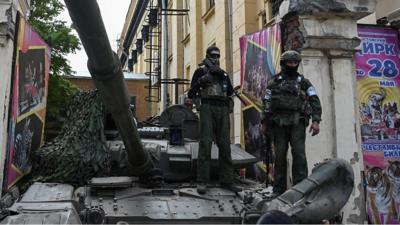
[213,54]
[289,70]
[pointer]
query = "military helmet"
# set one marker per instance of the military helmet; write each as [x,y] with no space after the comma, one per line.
[213,54]
[212,50]
[290,56]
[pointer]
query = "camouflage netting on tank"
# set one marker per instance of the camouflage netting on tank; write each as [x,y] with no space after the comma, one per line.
[80,151]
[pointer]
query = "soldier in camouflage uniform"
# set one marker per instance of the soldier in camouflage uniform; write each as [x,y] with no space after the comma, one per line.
[289,103]
[212,86]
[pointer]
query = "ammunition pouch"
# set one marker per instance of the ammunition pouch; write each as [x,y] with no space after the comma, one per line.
[213,92]
[289,103]
[215,89]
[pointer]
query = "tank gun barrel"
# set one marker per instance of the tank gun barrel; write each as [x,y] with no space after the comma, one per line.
[106,71]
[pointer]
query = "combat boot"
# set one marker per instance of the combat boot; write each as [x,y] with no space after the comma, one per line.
[231,187]
[201,188]
[274,195]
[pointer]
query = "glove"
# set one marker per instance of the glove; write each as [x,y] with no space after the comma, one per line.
[216,70]
[205,80]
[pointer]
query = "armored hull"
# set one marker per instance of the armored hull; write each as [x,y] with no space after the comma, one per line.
[122,200]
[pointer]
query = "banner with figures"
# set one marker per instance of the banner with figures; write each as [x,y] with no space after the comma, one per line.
[28,102]
[260,54]
[378,84]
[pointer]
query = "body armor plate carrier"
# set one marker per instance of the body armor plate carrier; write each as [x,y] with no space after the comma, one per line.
[217,89]
[288,96]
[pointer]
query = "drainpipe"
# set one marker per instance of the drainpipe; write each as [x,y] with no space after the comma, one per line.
[164,58]
[230,32]
[229,59]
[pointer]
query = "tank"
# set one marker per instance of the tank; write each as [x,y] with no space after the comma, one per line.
[154,181]
[173,140]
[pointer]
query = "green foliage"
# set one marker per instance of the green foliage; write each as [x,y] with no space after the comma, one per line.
[60,95]
[55,32]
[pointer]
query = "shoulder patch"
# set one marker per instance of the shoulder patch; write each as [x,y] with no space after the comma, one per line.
[299,79]
[311,91]
[268,95]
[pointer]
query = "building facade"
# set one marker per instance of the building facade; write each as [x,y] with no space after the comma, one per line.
[136,90]
[330,42]
[390,10]
[8,15]
[199,25]
[385,14]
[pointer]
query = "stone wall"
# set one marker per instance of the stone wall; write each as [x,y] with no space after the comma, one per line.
[326,35]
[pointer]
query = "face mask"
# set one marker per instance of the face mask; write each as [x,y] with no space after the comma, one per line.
[290,70]
[214,58]
[214,61]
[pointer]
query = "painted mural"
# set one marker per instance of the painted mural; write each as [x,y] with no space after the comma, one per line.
[28,102]
[260,53]
[378,84]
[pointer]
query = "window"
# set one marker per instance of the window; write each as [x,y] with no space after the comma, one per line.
[263,19]
[186,22]
[207,9]
[209,4]
[275,6]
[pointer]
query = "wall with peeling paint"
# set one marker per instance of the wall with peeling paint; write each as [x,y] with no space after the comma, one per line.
[326,35]
[8,11]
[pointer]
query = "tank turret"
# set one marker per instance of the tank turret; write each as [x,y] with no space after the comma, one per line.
[106,71]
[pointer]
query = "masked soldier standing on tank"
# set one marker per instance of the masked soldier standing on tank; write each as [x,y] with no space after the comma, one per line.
[212,86]
[289,104]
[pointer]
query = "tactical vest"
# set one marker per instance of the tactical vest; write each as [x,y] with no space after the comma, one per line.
[217,89]
[288,96]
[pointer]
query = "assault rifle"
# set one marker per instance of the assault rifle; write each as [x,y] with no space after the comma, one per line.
[268,152]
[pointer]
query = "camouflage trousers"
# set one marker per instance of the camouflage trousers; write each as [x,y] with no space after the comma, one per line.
[295,135]
[214,121]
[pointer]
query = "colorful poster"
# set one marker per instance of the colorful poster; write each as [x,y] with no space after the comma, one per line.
[260,54]
[254,142]
[378,84]
[28,102]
